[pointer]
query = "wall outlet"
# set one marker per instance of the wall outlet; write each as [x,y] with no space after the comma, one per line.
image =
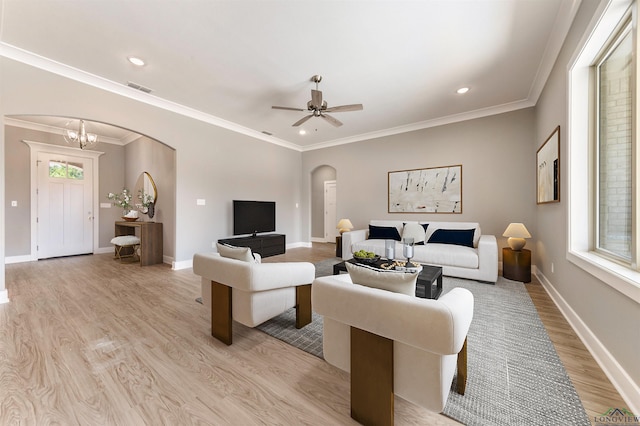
[213,244]
[201,202]
[14,204]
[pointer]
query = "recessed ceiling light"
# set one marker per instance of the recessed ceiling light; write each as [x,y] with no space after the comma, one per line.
[136,61]
[302,132]
[462,90]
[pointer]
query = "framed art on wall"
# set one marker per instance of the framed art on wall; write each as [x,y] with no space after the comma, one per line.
[431,190]
[548,169]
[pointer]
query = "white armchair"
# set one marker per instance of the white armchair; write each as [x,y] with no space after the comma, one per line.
[393,343]
[252,292]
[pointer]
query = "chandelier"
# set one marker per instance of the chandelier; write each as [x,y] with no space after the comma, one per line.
[80,136]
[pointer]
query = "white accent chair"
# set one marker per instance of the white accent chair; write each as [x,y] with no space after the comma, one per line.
[393,343]
[252,292]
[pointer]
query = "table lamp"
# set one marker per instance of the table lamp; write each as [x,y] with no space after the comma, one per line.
[517,233]
[344,225]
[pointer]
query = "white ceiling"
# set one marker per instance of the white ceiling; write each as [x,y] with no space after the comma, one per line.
[228,61]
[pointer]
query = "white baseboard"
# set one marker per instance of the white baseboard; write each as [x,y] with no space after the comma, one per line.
[318,240]
[299,244]
[4,296]
[104,250]
[624,384]
[19,259]
[184,264]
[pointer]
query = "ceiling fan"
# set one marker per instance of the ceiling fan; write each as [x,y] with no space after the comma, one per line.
[318,107]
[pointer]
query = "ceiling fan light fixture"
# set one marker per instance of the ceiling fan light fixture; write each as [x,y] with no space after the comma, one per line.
[302,132]
[318,107]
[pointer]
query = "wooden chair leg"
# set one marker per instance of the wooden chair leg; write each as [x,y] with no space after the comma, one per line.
[303,305]
[371,378]
[221,314]
[461,381]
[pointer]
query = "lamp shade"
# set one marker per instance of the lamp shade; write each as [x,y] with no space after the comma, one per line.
[344,225]
[517,233]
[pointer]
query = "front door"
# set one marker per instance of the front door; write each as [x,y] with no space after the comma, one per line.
[64,205]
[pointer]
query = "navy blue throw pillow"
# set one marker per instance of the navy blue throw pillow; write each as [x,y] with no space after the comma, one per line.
[383,233]
[460,237]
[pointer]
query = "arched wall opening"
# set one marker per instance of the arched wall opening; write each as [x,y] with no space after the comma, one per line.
[125,155]
[319,176]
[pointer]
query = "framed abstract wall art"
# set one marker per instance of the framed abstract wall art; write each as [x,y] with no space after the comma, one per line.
[432,190]
[548,169]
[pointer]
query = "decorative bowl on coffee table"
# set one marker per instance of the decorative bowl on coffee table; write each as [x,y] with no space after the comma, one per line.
[369,260]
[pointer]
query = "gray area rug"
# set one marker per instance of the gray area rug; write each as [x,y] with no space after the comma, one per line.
[515,375]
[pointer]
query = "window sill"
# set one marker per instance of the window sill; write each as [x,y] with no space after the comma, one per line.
[621,278]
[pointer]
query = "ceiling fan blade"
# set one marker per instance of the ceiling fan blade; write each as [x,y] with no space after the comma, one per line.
[343,108]
[302,120]
[287,108]
[316,98]
[333,121]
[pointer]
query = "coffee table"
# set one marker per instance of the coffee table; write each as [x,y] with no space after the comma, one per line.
[428,284]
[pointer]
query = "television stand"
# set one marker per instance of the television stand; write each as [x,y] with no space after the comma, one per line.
[265,245]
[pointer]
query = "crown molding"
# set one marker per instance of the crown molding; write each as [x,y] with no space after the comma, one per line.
[455,118]
[29,58]
[561,27]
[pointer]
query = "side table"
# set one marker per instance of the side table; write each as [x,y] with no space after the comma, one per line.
[516,265]
[339,246]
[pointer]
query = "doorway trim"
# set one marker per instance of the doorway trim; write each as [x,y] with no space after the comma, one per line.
[35,149]
[326,222]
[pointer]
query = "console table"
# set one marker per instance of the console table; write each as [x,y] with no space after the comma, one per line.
[265,245]
[150,239]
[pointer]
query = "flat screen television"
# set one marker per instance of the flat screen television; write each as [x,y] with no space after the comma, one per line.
[252,217]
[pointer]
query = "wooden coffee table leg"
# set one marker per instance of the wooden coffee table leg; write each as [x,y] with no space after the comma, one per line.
[461,384]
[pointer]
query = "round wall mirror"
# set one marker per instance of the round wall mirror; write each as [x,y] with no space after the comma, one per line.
[146,194]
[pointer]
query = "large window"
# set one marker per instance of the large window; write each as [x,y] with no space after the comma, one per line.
[603,157]
[614,166]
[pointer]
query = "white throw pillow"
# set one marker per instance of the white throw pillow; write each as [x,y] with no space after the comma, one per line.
[414,230]
[398,282]
[238,253]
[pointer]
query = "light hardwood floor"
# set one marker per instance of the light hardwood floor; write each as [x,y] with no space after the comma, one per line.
[88,340]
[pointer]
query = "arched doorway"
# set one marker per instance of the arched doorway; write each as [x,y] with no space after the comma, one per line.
[124,154]
[322,178]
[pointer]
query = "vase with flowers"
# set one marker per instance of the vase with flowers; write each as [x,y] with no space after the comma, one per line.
[123,200]
[146,204]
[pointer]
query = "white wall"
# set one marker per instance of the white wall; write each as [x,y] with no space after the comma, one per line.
[606,319]
[159,160]
[212,163]
[498,171]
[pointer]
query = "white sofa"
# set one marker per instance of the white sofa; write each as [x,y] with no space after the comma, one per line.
[252,292]
[479,262]
[427,337]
